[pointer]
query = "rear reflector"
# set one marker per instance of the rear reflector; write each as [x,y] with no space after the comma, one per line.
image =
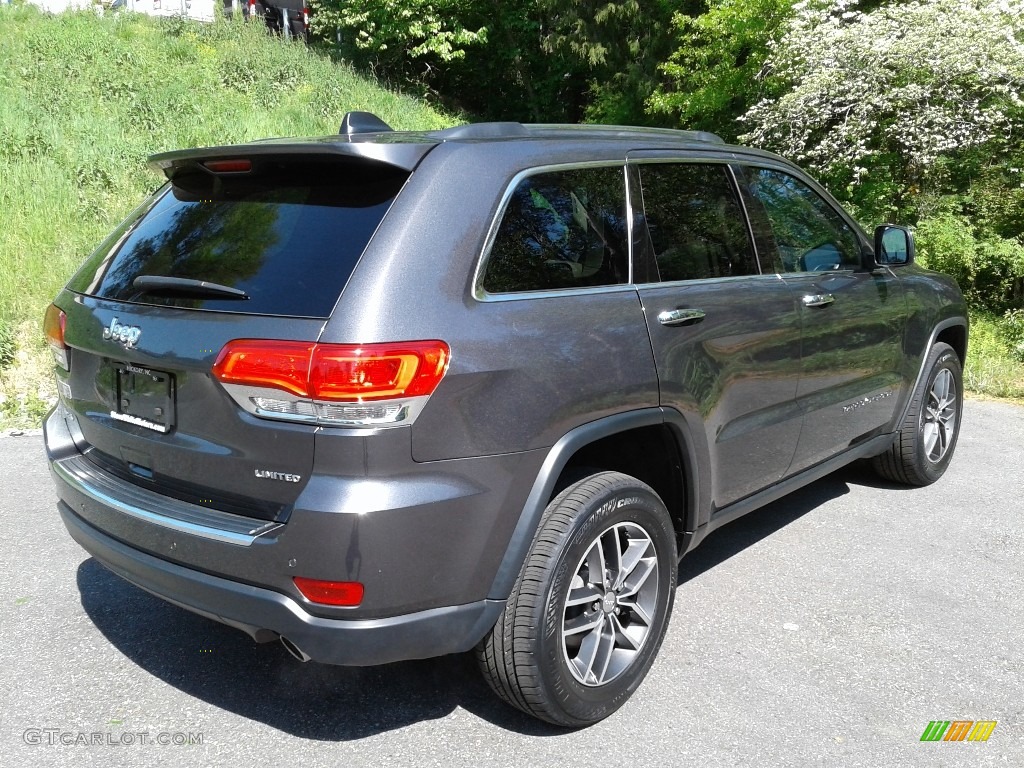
[343,593]
[54,323]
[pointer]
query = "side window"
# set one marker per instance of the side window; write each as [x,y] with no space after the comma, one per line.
[796,229]
[562,229]
[696,223]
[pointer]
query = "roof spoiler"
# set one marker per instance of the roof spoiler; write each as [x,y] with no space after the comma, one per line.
[362,122]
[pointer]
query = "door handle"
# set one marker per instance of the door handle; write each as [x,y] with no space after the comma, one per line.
[680,316]
[818,299]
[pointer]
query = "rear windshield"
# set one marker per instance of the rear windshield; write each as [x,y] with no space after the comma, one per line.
[288,234]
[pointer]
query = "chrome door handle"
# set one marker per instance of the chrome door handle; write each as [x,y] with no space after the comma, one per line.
[680,316]
[818,299]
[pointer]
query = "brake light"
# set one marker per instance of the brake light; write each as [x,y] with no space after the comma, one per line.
[377,371]
[54,324]
[228,166]
[275,364]
[353,384]
[344,593]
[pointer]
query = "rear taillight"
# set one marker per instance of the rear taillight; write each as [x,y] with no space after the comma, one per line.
[343,593]
[346,384]
[54,323]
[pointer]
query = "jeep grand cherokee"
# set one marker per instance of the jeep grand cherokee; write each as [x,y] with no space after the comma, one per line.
[389,395]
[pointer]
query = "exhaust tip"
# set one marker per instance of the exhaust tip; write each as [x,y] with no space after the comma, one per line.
[294,650]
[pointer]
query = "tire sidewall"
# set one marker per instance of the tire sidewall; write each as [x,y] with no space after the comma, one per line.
[635,504]
[945,359]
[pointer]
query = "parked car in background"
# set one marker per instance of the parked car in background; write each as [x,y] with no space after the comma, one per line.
[288,18]
[388,395]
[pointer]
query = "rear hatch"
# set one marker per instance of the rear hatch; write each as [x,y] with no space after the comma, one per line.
[253,243]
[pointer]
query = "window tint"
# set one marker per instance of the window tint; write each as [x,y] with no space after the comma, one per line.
[696,223]
[797,230]
[288,236]
[564,229]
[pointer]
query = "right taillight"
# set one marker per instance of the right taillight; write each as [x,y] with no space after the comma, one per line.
[54,323]
[342,384]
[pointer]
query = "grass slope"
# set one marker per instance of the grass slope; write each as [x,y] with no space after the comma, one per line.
[85,99]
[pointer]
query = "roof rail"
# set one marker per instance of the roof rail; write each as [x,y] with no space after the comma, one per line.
[362,122]
[507,130]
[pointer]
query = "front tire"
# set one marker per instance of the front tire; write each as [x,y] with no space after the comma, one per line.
[926,440]
[591,605]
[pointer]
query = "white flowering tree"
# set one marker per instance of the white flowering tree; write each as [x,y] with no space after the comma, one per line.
[912,111]
[900,86]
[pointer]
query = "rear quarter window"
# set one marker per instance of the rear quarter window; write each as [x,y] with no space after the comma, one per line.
[289,235]
[561,229]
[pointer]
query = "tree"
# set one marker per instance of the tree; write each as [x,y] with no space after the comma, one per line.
[913,110]
[613,48]
[400,33]
[900,88]
[715,73]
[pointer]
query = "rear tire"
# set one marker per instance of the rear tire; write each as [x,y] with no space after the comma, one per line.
[926,440]
[591,605]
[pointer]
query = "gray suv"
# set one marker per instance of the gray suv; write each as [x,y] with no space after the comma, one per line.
[389,395]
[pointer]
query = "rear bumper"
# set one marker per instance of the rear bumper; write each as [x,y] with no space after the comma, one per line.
[425,542]
[265,614]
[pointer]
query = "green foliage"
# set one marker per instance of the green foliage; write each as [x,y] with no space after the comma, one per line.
[1012,328]
[26,409]
[993,361]
[394,32]
[715,73]
[533,60]
[7,348]
[612,48]
[989,268]
[84,100]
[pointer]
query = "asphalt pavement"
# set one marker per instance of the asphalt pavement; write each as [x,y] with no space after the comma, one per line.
[827,629]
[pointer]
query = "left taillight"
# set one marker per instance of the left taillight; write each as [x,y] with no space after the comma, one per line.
[54,324]
[342,384]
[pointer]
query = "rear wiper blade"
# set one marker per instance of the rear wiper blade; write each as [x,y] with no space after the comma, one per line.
[186,286]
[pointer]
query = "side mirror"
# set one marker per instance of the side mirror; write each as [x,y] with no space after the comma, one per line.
[894,245]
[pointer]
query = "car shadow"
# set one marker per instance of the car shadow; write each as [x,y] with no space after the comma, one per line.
[733,538]
[225,668]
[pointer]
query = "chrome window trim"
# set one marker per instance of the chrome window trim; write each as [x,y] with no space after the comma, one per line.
[764,276]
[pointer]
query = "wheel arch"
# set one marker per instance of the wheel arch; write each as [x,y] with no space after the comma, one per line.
[598,445]
[952,331]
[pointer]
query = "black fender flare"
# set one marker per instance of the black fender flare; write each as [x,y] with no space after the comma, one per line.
[556,460]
